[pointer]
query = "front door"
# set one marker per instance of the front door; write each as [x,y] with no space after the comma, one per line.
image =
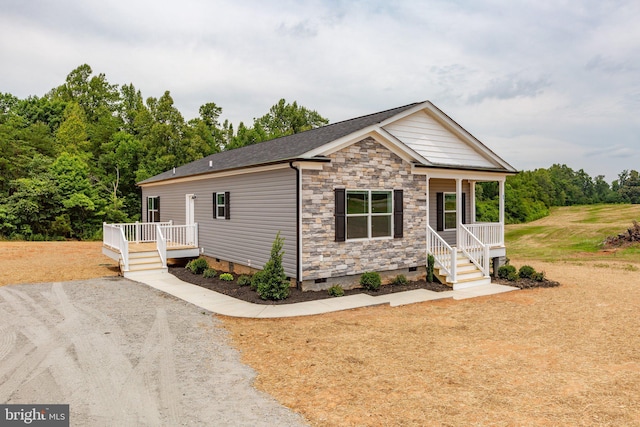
[190,216]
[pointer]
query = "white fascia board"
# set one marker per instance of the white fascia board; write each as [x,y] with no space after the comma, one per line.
[211,175]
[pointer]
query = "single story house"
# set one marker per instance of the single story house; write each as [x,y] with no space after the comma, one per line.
[379,192]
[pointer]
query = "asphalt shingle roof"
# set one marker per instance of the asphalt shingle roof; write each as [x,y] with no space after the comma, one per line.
[277,150]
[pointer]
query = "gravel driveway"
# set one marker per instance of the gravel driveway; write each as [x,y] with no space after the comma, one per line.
[122,354]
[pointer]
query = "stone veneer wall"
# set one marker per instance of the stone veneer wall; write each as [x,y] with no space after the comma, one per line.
[364,165]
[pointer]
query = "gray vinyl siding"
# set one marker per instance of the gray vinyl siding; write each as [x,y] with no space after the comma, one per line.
[261,204]
[445,186]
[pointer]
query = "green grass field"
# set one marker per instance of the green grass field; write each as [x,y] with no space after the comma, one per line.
[574,232]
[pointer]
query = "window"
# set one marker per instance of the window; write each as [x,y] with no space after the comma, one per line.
[153,209]
[450,221]
[369,214]
[221,205]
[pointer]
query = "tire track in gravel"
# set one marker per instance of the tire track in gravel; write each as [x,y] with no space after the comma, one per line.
[102,364]
[42,339]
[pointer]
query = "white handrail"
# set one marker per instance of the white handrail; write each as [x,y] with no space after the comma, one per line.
[161,244]
[475,250]
[443,253]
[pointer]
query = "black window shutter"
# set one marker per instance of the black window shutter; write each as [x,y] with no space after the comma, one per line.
[227,211]
[464,208]
[398,213]
[157,219]
[215,204]
[340,214]
[440,211]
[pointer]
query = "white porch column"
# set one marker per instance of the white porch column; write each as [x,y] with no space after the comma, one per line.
[501,199]
[472,192]
[458,209]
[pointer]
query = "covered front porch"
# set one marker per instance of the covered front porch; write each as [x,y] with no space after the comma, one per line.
[462,247]
[146,246]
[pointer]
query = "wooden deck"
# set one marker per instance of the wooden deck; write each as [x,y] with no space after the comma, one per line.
[151,246]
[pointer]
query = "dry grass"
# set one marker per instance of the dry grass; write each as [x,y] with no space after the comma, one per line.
[561,356]
[37,262]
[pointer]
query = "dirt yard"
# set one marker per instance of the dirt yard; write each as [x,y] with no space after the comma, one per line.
[559,356]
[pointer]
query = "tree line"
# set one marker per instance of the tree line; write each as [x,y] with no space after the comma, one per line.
[530,194]
[70,160]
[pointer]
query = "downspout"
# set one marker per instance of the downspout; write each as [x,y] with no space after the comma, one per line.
[298,235]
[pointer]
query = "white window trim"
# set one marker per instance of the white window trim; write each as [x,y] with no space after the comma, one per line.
[368,215]
[151,211]
[215,209]
[445,211]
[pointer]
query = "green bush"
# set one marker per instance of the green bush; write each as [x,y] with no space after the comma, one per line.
[197,266]
[227,277]
[512,277]
[400,279]
[538,276]
[431,262]
[244,280]
[336,291]
[370,280]
[258,277]
[506,270]
[209,273]
[272,283]
[526,272]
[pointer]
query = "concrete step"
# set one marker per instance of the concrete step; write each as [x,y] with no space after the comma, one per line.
[464,284]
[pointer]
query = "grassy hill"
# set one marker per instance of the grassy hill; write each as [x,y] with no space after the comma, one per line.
[573,232]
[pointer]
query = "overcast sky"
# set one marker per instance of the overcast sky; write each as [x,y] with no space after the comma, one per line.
[540,82]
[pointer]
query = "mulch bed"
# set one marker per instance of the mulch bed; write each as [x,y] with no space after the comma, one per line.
[526,283]
[245,293]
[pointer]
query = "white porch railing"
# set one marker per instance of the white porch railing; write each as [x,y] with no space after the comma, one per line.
[444,254]
[474,249]
[114,237]
[489,233]
[164,234]
[141,232]
[180,235]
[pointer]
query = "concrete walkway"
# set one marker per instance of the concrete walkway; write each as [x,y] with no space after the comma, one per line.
[229,306]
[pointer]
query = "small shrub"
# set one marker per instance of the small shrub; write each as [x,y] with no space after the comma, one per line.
[526,272]
[538,276]
[197,266]
[209,273]
[227,277]
[506,270]
[244,280]
[336,291]
[431,262]
[512,276]
[370,280]
[273,283]
[400,279]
